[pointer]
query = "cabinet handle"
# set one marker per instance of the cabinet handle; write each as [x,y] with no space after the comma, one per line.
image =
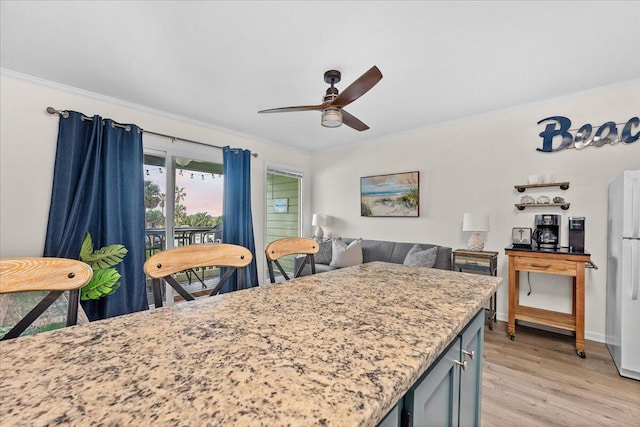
[471,354]
[405,418]
[463,364]
[541,265]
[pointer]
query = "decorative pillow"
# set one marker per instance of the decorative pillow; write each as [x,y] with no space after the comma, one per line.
[418,257]
[346,256]
[324,254]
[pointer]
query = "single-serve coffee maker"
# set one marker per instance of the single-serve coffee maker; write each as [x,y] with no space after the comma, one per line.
[547,231]
[576,234]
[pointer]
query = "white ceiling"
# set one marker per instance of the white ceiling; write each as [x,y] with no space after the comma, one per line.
[220,62]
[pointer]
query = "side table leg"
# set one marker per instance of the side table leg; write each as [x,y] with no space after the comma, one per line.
[513,289]
[578,283]
[492,311]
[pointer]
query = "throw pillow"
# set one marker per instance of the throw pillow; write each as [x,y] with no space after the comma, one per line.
[346,256]
[324,254]
[418,257]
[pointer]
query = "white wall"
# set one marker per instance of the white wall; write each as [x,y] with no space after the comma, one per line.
[27,148]
[466,166]
[471,166]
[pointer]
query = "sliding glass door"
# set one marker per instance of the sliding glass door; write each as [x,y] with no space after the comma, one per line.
[183,204]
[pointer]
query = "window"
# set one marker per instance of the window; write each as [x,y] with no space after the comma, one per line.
[283,209]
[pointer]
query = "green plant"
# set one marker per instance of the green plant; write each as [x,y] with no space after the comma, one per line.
[365,210]
[410,199]
[105,280]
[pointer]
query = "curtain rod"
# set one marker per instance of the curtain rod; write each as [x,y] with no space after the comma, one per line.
[65,114]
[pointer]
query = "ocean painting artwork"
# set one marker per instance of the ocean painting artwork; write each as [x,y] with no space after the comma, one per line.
[390,195]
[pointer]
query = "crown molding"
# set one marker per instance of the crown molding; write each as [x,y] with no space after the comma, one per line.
[99,97]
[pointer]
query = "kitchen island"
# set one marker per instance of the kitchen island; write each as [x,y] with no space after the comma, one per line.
[340,349]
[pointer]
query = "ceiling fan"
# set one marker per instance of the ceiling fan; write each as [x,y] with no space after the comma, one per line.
[333,114]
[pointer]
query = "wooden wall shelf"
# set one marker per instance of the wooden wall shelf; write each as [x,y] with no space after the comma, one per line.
[562,185]
[521,206]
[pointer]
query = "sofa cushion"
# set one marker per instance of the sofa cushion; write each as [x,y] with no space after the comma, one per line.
[324,254]
[418,257]
[400,251]
[376,250]
[443,261]
[344,255]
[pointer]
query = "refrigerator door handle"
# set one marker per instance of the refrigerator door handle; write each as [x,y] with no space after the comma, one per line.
[635,208]
[635,270]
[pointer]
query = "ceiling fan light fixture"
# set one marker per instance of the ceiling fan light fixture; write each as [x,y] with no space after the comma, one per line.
[331,117]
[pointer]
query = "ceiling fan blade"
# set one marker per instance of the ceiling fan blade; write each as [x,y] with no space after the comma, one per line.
[358,88]
[297,108]
[353,122]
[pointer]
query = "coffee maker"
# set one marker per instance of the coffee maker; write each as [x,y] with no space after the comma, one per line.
[576,234]
[547,231]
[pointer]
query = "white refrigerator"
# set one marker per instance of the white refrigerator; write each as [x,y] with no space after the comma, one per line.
[623,274]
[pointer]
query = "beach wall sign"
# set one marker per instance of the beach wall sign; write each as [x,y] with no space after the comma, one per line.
[559,128]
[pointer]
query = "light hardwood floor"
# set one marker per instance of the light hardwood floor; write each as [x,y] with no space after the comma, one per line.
[538,380]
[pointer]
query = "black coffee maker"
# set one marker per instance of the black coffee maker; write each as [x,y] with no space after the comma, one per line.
[547,231]
[576,234]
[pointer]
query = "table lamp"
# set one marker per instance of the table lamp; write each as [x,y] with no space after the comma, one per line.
[475,223]
[318,221]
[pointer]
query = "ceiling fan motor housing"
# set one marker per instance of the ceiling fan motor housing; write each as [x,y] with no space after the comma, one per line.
[332,116]
[332,77]
[331,94]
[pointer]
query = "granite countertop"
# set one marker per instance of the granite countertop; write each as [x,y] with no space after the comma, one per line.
[335,349]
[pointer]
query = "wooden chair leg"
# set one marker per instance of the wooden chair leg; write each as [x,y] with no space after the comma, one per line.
[241,284]
[72,310]
[157,292]
[272,276]
[222,281]
[179,289]
[284,273]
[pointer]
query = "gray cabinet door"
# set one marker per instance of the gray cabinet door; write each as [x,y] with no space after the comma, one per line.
[393,418]
[434,401]
[471,377]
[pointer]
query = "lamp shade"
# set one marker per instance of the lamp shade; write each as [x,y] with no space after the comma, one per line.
[319,220]
[475,222]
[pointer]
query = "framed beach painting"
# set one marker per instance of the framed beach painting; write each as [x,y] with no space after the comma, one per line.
[395,195]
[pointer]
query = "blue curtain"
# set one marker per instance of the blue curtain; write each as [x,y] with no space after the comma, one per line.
[98,187]
[238,222]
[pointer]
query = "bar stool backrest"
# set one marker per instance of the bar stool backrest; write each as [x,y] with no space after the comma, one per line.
[291,246]
[55,275]
[163,264]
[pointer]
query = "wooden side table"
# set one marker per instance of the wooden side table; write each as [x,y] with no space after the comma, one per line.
[560,262]
[479,262]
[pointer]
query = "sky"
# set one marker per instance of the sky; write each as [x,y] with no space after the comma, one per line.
[203,195]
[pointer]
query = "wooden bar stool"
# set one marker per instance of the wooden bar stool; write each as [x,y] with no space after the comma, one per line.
[163,264]
[291,246]
[55,275]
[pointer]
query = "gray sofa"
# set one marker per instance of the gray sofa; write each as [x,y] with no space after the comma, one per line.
[380,250]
